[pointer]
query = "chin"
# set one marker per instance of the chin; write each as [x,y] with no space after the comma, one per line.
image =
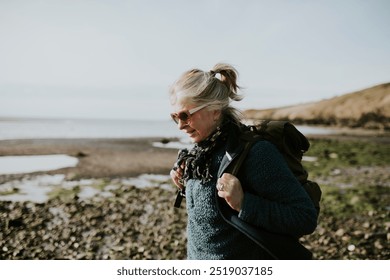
[196,139]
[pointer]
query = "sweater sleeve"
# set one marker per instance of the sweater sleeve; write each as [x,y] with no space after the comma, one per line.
[277,201]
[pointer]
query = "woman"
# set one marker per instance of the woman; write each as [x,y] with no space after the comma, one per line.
[275,202]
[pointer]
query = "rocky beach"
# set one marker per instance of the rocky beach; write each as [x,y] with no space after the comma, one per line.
[117,203]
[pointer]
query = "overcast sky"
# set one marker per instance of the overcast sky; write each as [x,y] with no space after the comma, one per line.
[103,51]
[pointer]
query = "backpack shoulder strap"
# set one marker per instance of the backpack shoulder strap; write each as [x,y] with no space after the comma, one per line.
[247,137]
[236,165]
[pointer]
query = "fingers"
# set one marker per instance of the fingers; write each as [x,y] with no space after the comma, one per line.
[222,191]
[220,187]
[229,188]
[223,186]
[176,175]
[226,183]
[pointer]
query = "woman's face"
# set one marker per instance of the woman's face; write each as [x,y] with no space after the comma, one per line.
[200,124]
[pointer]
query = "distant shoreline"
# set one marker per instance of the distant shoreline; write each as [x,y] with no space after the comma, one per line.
[129,129]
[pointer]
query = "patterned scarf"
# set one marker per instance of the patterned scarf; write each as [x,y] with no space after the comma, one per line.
[197,161]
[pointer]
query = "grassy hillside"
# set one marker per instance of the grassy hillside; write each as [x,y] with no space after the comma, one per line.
[368,108]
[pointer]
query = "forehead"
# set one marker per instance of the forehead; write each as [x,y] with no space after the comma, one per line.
[180,99]
[182,103]
[181,106]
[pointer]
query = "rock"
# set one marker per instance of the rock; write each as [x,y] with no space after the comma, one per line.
[142,224]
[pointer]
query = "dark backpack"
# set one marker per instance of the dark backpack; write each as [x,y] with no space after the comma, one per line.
[292,144]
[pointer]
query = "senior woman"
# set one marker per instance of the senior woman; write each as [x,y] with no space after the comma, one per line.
[201,102]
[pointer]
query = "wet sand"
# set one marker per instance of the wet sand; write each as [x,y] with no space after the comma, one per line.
[98,158]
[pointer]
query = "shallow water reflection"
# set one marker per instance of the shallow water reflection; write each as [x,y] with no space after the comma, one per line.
[40,188]
[28,164]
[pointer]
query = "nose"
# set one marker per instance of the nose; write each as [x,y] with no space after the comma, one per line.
[181,124]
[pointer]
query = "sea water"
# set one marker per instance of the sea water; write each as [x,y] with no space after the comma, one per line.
[67,128]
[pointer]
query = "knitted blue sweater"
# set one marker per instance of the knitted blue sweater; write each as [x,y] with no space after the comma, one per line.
[278,204]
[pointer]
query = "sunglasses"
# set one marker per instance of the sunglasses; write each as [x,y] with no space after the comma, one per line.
[185,115]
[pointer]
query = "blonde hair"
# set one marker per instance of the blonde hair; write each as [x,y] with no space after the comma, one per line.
[198,87]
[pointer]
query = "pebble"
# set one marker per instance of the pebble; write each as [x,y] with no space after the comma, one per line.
[137,224]
[351,248]
[108,228]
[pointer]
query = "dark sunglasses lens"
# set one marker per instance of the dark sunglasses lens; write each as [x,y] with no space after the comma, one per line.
[183,116]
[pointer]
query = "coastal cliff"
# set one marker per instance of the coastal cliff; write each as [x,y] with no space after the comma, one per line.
[367,108]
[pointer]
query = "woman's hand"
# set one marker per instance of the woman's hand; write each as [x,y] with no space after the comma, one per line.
[177,175]
[229,188]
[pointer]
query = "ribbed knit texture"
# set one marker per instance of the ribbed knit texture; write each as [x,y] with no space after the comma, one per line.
[277,202]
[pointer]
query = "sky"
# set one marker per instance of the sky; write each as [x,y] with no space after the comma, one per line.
[117,58]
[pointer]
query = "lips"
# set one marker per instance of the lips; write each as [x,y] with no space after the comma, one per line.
[189,132]
[192,133]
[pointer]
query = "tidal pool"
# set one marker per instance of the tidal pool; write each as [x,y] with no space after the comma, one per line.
[29,164]
[39,188]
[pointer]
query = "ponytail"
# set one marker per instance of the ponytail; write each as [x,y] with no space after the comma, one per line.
[229,77]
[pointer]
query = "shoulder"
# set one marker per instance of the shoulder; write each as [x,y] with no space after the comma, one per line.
[264,152]
[264,146]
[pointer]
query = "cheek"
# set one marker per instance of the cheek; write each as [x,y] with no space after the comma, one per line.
[204,126]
